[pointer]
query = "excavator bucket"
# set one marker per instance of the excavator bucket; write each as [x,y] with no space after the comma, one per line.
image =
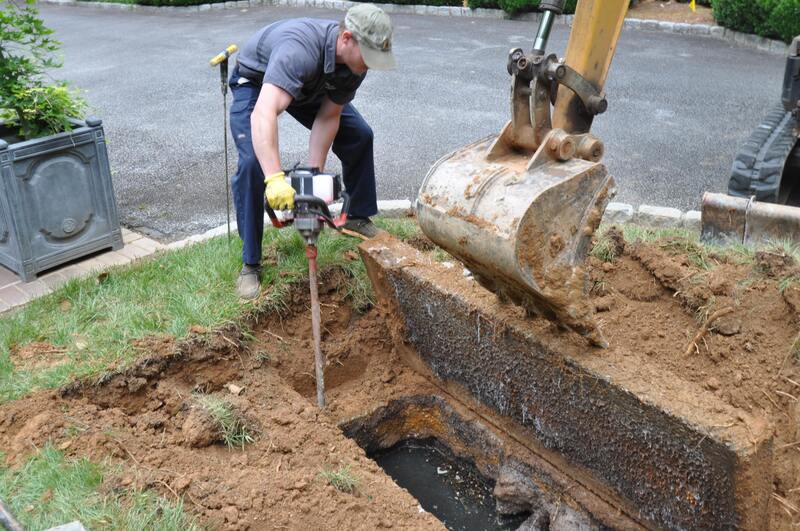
[520,209]
[523,233]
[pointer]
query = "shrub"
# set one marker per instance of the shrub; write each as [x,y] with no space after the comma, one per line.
[768,18]
[517,6]
[783,21]
[27,50]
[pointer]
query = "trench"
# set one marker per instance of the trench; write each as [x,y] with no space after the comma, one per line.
[467,473]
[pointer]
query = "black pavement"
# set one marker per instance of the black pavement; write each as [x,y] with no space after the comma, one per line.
[679,105]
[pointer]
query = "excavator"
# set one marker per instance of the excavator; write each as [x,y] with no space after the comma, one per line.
[519,209]
[767,164]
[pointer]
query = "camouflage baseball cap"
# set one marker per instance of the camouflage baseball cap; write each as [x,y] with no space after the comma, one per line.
[373,31]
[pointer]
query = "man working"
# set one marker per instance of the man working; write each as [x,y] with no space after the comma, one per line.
[311,69]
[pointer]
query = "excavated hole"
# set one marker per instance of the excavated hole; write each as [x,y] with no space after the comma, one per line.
[465,473]
[419,430]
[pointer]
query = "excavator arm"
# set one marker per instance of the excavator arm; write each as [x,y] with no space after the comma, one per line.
[520,209]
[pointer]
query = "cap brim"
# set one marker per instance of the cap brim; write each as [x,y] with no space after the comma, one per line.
[377,59]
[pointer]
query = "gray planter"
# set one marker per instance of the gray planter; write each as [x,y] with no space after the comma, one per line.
[56,199]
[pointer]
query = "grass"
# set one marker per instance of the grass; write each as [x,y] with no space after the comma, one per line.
[603,248]
[50,490]
[233,427]
[683,241]
[341,479]
[786,282]
[95,320]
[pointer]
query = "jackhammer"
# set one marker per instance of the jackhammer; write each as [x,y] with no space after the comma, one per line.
[314,192]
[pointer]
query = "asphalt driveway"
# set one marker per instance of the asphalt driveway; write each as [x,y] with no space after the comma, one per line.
[679,105]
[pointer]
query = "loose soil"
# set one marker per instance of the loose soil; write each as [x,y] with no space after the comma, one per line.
[671,11]
[728,328]
[653,299]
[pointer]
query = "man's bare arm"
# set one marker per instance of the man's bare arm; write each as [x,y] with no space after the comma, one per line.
[323,131]
[272,101]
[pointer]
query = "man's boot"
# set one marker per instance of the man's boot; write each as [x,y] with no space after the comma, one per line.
[363,226]
[248,285]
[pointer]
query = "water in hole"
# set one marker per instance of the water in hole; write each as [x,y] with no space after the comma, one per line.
[450,488]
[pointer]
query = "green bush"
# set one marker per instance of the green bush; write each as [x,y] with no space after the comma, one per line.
[517,6]
[29,102]
[783,20]
[769,18]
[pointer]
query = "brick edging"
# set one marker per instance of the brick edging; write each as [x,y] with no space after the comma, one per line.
[705,30]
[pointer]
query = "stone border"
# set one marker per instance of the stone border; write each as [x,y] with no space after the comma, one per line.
[16,293]
[652,216]
[707,30]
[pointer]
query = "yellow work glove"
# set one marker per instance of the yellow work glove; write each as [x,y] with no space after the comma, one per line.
[280,194]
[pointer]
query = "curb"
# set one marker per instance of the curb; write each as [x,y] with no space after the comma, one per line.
[703,30]
[652,216]
[138,246]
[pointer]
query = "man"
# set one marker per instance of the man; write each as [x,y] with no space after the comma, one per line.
[311,69]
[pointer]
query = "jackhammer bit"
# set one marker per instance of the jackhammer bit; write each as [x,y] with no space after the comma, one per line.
[309,216]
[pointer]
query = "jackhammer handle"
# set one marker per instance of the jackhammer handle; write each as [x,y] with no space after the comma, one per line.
[223,55]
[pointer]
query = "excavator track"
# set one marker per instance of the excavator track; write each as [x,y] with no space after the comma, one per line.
[759,165]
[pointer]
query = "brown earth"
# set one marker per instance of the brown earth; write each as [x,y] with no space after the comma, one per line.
[653,298]
[671,11]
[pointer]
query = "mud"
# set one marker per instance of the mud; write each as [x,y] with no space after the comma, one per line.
[652,301]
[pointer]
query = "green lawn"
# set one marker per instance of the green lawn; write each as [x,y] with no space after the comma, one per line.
[50,490]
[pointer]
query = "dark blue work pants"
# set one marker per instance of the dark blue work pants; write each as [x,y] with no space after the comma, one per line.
[352,145]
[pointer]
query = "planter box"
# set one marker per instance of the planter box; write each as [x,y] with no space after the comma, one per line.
[56,199]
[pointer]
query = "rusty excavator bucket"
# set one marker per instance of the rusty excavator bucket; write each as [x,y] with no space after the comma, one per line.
[520,209]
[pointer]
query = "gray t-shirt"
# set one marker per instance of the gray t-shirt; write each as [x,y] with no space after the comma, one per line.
[299,56]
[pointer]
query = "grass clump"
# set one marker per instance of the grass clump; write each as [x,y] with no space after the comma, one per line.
[604,249]
[341,479]
[234,429]
[787,282]
[795,351]
[50,490]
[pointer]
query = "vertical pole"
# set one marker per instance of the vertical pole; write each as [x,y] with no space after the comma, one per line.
[223,74]
[311,254]
[7,520]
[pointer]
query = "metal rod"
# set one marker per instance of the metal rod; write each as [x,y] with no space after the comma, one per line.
[7,520]
[223,72]
[543,34]
[311,253]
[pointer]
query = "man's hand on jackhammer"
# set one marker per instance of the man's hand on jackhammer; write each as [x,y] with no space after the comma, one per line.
[280,194]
